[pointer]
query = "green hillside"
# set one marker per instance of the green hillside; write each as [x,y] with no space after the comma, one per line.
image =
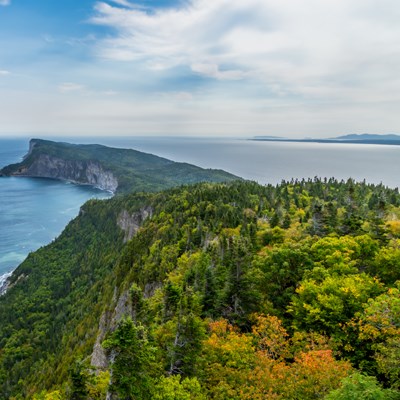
[131,169]
[212,291]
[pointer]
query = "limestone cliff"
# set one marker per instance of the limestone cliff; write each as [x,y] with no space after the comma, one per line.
[131,223]
[76,171]
[113,169]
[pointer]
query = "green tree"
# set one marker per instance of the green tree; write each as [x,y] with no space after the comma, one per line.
[324,305]
[175,388]
[380,326]
[133,357]
[79,380]
[361,387]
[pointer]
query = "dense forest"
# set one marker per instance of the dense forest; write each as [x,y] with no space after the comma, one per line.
[212,291]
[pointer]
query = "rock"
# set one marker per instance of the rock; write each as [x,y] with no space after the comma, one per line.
[130,224]
[75,171]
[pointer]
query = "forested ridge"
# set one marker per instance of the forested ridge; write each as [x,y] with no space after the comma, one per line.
[115,169]
[225,291]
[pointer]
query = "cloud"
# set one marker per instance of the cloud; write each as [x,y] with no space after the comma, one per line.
[68,87]
[213,71]
[336,49]
[4,72]
[5,2]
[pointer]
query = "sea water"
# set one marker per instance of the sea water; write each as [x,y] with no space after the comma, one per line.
[33,211]
[272,162]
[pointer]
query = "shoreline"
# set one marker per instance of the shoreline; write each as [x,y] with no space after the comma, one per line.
[327,141]
[4,284]
[67,181]
[4,276]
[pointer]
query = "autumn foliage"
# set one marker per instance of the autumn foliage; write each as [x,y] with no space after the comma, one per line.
[261,364]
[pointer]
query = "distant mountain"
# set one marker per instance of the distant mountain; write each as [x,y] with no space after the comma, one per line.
[368,137]
[365,138]
[116,170]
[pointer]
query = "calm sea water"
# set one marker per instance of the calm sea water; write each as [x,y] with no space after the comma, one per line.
[34,211]
[272,162]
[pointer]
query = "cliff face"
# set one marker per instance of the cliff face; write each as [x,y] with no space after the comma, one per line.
[130,224]
[113,169]
[76,171]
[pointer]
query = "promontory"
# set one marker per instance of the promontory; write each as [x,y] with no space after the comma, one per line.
[113,169]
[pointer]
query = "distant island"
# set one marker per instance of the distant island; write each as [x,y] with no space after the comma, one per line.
[365,138]
[113,169]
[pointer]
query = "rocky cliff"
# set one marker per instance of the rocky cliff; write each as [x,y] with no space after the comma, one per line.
[76,171]
[113,169]
[131,223]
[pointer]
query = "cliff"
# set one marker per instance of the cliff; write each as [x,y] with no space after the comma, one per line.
[76,171]
[116,170]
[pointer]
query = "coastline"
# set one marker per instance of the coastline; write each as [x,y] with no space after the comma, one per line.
[327,141]
[4,283]
[70,181]
[6,273]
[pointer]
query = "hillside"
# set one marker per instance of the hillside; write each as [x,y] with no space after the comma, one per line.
[113,169]
[212,291]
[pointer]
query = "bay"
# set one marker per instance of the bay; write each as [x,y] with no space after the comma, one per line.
[33,211]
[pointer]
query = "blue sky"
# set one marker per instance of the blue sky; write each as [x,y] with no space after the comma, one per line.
[199,67]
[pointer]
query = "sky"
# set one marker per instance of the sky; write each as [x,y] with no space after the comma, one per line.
[310,68]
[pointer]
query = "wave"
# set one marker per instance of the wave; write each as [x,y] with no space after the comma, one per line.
[3,282]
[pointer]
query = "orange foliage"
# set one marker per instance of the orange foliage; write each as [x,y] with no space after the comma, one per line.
[236,369]
[271,336]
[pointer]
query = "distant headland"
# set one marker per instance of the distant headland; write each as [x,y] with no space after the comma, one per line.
[112,169]
[365,138]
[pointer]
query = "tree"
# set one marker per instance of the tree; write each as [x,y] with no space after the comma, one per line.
[361,387]
[380,324]
[175,388]
[79,379]
[133,357]
[228,356]
[325,305]
[387,262]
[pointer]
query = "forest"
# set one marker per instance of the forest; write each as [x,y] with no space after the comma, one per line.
[225,291]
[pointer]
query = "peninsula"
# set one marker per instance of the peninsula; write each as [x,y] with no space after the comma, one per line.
[365,138]
[113,169]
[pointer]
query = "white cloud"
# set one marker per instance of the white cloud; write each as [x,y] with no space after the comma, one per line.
[331,48]
[213,71]
[68,87]
[278,67]
[5,2]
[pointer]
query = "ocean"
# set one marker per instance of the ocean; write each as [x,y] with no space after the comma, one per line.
[34,211]
[272,162]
